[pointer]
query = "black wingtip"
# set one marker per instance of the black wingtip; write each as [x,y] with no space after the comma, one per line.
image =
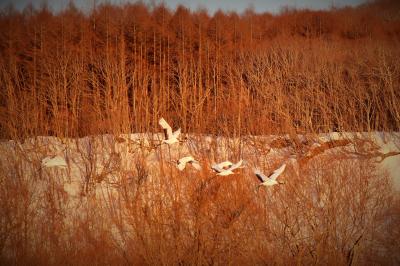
[259,177]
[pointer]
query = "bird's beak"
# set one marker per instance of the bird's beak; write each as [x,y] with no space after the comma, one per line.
[281,182]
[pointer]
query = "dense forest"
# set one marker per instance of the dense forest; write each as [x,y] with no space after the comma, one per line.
[117,69]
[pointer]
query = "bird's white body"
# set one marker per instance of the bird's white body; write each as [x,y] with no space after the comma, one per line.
[188,160]
[170,137]
[170,141]
[226,168]
[54,161]
[270,180]
[225,173]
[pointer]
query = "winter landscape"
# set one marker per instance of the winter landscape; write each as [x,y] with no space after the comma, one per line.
[137,134]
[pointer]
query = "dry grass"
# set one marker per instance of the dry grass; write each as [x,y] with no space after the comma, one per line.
[330,211]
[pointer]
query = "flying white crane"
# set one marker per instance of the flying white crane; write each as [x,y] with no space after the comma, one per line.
[222,166]
[181,164]
[226,168]
[170,137]
[54,161]
[270,180]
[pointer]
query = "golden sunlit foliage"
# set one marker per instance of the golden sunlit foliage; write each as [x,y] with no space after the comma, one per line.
[87,78]
[119,68]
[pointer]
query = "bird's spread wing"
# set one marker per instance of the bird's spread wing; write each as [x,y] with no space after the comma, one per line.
[165,131]
[236,165]
[181,166]
[260,176]
[186,159]
[277,172]
[217,168]
[167,128]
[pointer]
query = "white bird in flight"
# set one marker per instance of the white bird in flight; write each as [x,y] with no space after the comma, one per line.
[181,164]
[54,161]
[226,168]
[270,180]
[170,137]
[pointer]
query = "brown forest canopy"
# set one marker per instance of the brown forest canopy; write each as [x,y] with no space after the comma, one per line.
[119,68]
